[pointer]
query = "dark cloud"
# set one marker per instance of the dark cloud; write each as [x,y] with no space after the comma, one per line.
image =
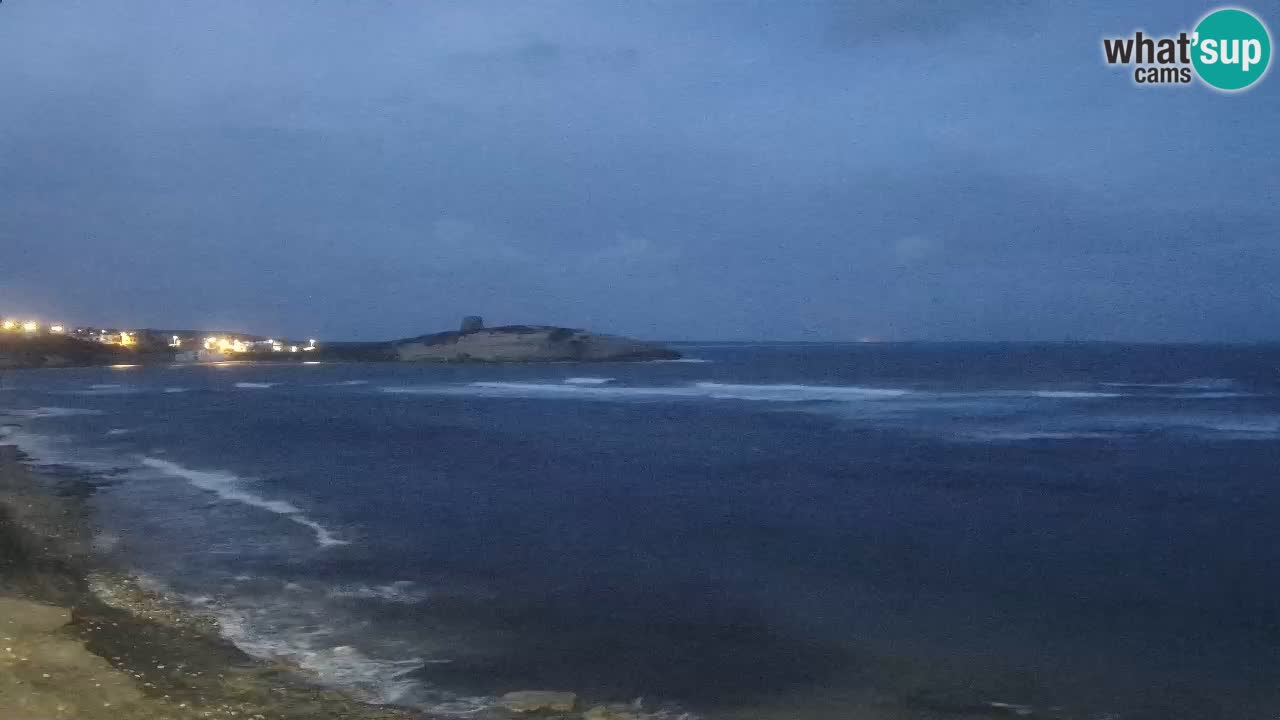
[942,170]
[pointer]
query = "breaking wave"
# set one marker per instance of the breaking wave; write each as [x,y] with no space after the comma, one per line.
[1192,384]
[1074,394]
[797,393]
[255,631]
[402,592]
[694,391]
[49,412]
[228,487]
[1031,436]
[299,623]
[107,389]
[1257,427]
[255,385]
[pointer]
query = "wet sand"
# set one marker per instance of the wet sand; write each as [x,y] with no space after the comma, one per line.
[78,640]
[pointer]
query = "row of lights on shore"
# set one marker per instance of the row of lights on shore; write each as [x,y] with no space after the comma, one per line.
[221,344]
[236,345]
[28,326]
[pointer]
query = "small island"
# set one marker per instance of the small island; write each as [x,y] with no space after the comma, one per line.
[30,344]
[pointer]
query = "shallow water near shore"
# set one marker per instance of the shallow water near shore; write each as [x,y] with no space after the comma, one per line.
[799,531]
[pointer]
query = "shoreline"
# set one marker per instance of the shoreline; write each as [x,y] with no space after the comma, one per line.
[82,640]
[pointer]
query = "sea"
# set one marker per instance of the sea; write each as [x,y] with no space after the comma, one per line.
[862,531]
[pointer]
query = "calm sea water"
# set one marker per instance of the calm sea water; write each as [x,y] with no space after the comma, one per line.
[785,531]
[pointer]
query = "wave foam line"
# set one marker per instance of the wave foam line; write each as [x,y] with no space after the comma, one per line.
[49,412]
[255,385]
[1074,394]
[375,680]
[227,486]
[797,393]
[1029,436]
[1193,384]
[695,391]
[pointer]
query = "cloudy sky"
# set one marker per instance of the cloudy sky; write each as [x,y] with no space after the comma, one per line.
[804,170]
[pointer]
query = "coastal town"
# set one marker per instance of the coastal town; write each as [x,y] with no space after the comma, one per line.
[26,342]
[183,345]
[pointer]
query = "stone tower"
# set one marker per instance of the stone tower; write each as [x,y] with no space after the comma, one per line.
[472,323]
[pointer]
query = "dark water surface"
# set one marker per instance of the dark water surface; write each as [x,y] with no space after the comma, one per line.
[804,531]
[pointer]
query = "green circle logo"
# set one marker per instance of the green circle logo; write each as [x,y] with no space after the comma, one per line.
[1232,49]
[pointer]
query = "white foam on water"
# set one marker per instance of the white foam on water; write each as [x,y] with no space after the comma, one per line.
[324,537]
[1030,436]
[115,432]
[104,386]
[1074,394]
[228,486]
[1192,384]
[512,389]
[587,380]
[106,390]
[55,450]
[304,629]
[173,390]
[401,592]
[798,393]
[49,412]
[1257,427]
[695,391]
[345,383]
[255,385]
[374,680]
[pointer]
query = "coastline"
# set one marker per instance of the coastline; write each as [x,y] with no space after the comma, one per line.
[472,344]
[84,641]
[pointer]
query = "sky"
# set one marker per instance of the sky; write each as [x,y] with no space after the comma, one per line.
[727,170]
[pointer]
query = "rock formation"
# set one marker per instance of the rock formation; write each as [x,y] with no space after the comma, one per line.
[527,343]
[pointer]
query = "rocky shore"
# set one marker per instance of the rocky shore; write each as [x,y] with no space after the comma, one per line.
[82,640]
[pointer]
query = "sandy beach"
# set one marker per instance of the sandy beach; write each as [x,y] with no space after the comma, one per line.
[82,641]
